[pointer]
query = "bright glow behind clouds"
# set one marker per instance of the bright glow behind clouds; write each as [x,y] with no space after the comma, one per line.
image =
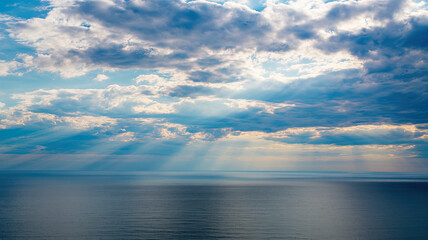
[224,85]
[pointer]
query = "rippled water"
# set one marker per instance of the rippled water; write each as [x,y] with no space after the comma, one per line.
[64,205]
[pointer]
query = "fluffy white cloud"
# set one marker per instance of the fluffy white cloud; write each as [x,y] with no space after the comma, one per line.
[149,78]
[87,122]
[112,98]
[16,117]
[124,137]
[9,68]
[101,77]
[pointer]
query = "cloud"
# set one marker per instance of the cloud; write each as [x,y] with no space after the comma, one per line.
[113,99]
[84,38]
[15,117]
[124,137]
[200,38]
[101,77]
[88,122]
[354,135]
[149,78]
[9,68]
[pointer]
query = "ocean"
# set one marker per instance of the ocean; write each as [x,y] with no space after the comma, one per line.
[213,205]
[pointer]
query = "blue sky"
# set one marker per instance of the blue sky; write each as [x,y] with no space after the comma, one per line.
[214,85]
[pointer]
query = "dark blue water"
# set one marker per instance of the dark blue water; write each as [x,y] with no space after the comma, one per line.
[64,205]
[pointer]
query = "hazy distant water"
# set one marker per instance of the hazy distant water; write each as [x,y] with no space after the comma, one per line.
[63,205]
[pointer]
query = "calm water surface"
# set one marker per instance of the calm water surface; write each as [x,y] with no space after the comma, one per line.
[64,205]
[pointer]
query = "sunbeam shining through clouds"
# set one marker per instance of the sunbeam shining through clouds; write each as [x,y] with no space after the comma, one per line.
[304,85]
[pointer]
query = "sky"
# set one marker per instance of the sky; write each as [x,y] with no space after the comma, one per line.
[240,85]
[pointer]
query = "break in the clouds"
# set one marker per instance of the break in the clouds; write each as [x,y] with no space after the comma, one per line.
[200,85]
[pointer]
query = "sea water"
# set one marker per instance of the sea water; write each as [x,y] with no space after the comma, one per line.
[213,205]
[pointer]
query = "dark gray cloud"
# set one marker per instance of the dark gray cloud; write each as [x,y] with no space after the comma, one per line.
[176,24]
[381,9]
[396,63]
[186,28]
